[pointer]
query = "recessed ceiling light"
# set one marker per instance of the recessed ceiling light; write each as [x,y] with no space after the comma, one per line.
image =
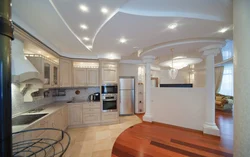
[89,46]
[48,56]
[84,26]
[84,8]
[123,40]
[86,38]
[172,26]
[223,30]
[104,10]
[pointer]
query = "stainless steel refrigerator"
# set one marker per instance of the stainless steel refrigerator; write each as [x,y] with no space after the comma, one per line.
[127,95]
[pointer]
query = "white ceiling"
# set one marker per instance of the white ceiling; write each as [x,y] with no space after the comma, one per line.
[143,22]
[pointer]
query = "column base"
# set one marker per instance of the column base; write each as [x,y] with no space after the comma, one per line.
[147,118]
[211,129]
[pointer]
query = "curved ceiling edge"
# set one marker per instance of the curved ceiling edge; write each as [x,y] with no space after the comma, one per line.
[58,13]
[179,42]
[171,14]
[102,25]
[106,21]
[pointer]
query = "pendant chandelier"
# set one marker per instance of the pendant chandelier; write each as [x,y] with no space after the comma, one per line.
[173,72]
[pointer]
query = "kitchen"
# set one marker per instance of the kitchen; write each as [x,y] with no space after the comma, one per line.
[51,91]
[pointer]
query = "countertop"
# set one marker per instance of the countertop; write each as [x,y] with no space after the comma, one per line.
[49,109]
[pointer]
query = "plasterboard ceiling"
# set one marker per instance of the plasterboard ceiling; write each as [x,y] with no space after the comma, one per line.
[142,22]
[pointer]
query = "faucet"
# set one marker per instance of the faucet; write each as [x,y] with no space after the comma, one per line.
[73,99]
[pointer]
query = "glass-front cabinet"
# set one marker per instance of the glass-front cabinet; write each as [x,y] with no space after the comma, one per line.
[47,73]
[48,68]
[55,75]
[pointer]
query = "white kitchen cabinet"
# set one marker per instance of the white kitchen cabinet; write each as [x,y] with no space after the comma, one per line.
[109,72]
[75,114]
[93,77]
[91,118]
[65,73]
[86,77]
[109,75]
[80,77]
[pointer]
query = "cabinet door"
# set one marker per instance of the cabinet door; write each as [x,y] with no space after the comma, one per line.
[91,118]
[55,76]
[65,73]
[80,77]
[65,117]
[47,73]
[75,114]
[109,75]
[92,77]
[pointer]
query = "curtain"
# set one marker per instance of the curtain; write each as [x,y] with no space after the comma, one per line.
[227,84]
[218,78]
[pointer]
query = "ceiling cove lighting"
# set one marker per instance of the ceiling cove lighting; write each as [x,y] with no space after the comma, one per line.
[104,10]
[172,26]
[223,30]
[84,8]
[123,40]
[89,47]
[84,26]
[86,38]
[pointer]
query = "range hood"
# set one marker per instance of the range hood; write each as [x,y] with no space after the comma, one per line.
[24,74]
[22,70]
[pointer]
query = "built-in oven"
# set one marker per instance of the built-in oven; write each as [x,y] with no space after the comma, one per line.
[109,102]
[109,89]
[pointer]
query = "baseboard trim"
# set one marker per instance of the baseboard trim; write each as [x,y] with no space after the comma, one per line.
[184,129]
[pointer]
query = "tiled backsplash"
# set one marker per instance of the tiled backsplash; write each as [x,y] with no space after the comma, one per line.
[18,106]
[84,93]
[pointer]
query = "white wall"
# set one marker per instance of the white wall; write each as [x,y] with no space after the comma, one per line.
[184,107]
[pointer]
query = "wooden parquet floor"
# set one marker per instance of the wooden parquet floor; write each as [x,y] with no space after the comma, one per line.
[155,140]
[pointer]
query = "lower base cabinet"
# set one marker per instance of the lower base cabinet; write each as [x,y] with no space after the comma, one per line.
[89,113]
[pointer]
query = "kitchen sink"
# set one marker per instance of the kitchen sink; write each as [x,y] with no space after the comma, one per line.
[26,119]
[36,110]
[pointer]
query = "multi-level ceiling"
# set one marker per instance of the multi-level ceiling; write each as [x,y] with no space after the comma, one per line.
[119,28]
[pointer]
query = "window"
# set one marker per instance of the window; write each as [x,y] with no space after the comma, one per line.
[227,82]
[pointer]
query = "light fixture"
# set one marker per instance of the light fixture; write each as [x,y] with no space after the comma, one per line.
[223,30]
[84,26]
[104,10]
[173,72]
[86,38]
[47,56]
[123,40]
[84,8]
[172,26]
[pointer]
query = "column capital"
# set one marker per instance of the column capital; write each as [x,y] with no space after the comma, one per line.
[211,50]
[148,59]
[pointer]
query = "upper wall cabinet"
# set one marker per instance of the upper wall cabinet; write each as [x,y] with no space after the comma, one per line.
[47,68]
[65,73]
[109,72]
[86,74]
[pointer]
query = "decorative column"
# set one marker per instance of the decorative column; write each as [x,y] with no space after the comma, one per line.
[148,61]
[6,35]
[241,18]
[209,126]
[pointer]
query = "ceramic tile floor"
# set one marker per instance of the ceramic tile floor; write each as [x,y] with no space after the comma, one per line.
[97,141]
